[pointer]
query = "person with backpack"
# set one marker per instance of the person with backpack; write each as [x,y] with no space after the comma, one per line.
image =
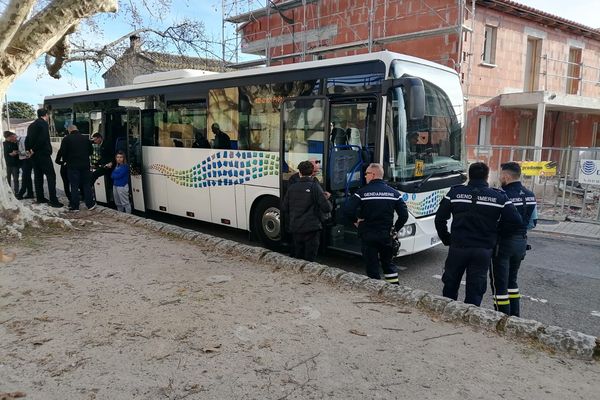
[306,204]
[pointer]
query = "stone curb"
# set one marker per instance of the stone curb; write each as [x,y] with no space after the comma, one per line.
[552,338]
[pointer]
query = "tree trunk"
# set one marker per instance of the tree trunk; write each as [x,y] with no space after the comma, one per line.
[23,41]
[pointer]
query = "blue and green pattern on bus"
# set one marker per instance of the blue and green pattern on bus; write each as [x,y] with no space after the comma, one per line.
[423,204]
[224,168]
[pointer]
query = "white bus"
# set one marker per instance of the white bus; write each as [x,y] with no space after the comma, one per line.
[221,147]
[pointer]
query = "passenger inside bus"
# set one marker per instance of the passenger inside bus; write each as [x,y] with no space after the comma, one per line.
[221,140]
[200,141]
[339,136]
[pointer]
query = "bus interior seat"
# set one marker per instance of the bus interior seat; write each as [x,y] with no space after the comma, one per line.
[339,136]
[120,145]
[353,135]
[345,164]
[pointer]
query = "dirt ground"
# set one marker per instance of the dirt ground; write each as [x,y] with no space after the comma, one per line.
[120,312]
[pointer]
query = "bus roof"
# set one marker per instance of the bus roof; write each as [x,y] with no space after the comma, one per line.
[386,56]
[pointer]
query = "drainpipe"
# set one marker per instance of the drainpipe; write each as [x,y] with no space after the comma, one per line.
[459,32]
[371,12]
[468,78]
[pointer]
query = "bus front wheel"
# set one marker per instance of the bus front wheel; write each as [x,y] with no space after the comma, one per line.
[267,222]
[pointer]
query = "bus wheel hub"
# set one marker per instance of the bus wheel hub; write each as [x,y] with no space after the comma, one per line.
[271,224]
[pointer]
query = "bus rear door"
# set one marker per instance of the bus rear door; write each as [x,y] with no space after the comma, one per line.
[303,137]
[134,158]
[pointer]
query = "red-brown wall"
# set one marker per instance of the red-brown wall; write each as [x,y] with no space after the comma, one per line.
[483,84]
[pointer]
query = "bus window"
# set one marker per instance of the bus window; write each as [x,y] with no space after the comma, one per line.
[59,121]
[304,134]
[223,117]
[82,121]
[96,123]
[354,84]
[150,124]
[185,125]
[259,118]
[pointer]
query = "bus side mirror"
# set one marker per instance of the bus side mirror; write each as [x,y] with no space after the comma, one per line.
[414,95]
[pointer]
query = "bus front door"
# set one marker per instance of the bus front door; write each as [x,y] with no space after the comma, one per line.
[352,138]
[134,158]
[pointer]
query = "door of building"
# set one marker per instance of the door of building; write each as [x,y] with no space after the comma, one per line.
[532,64]
[574,71]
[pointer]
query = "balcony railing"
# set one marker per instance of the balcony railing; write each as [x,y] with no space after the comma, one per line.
[567,77]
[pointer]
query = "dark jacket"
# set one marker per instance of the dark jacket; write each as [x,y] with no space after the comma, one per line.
[38,139]
[9,147]
[296,178]
[376,203]
[222,141]
[474,220]
[304,205]
[525,202]
[75,150]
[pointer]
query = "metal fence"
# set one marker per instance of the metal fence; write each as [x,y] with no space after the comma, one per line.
[559,194]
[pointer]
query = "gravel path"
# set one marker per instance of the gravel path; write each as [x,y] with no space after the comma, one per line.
[120,312]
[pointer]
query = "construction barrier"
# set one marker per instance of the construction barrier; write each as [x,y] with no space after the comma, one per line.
[566,180]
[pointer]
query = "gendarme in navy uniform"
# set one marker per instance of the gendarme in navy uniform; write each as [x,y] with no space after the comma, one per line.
[512,241]
[476,210]
[372,209]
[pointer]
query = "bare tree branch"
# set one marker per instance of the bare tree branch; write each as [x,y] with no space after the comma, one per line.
[56,56]
[42,31]
[12,18]
[186,37]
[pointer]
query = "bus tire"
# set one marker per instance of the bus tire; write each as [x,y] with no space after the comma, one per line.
[266,222]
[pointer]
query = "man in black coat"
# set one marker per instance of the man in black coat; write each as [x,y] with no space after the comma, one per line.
[104,163]
[11,157]
[38,146]
[222,140]
[306,204]
[76,150]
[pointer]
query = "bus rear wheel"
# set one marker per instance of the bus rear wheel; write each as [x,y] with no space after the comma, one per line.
[267,222]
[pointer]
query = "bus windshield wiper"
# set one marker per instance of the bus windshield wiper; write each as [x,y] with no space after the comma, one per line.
[428,177]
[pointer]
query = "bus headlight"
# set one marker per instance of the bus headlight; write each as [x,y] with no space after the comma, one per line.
[406,231]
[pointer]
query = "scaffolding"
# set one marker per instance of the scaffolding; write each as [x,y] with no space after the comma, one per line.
[236,13]
[231,10]
[295,21]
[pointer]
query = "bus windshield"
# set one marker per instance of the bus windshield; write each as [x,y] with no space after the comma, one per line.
[426,147]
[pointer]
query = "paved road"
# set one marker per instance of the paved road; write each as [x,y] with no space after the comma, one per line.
[560,277]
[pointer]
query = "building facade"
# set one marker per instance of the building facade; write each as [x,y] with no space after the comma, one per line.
[529,77]
[135,62]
